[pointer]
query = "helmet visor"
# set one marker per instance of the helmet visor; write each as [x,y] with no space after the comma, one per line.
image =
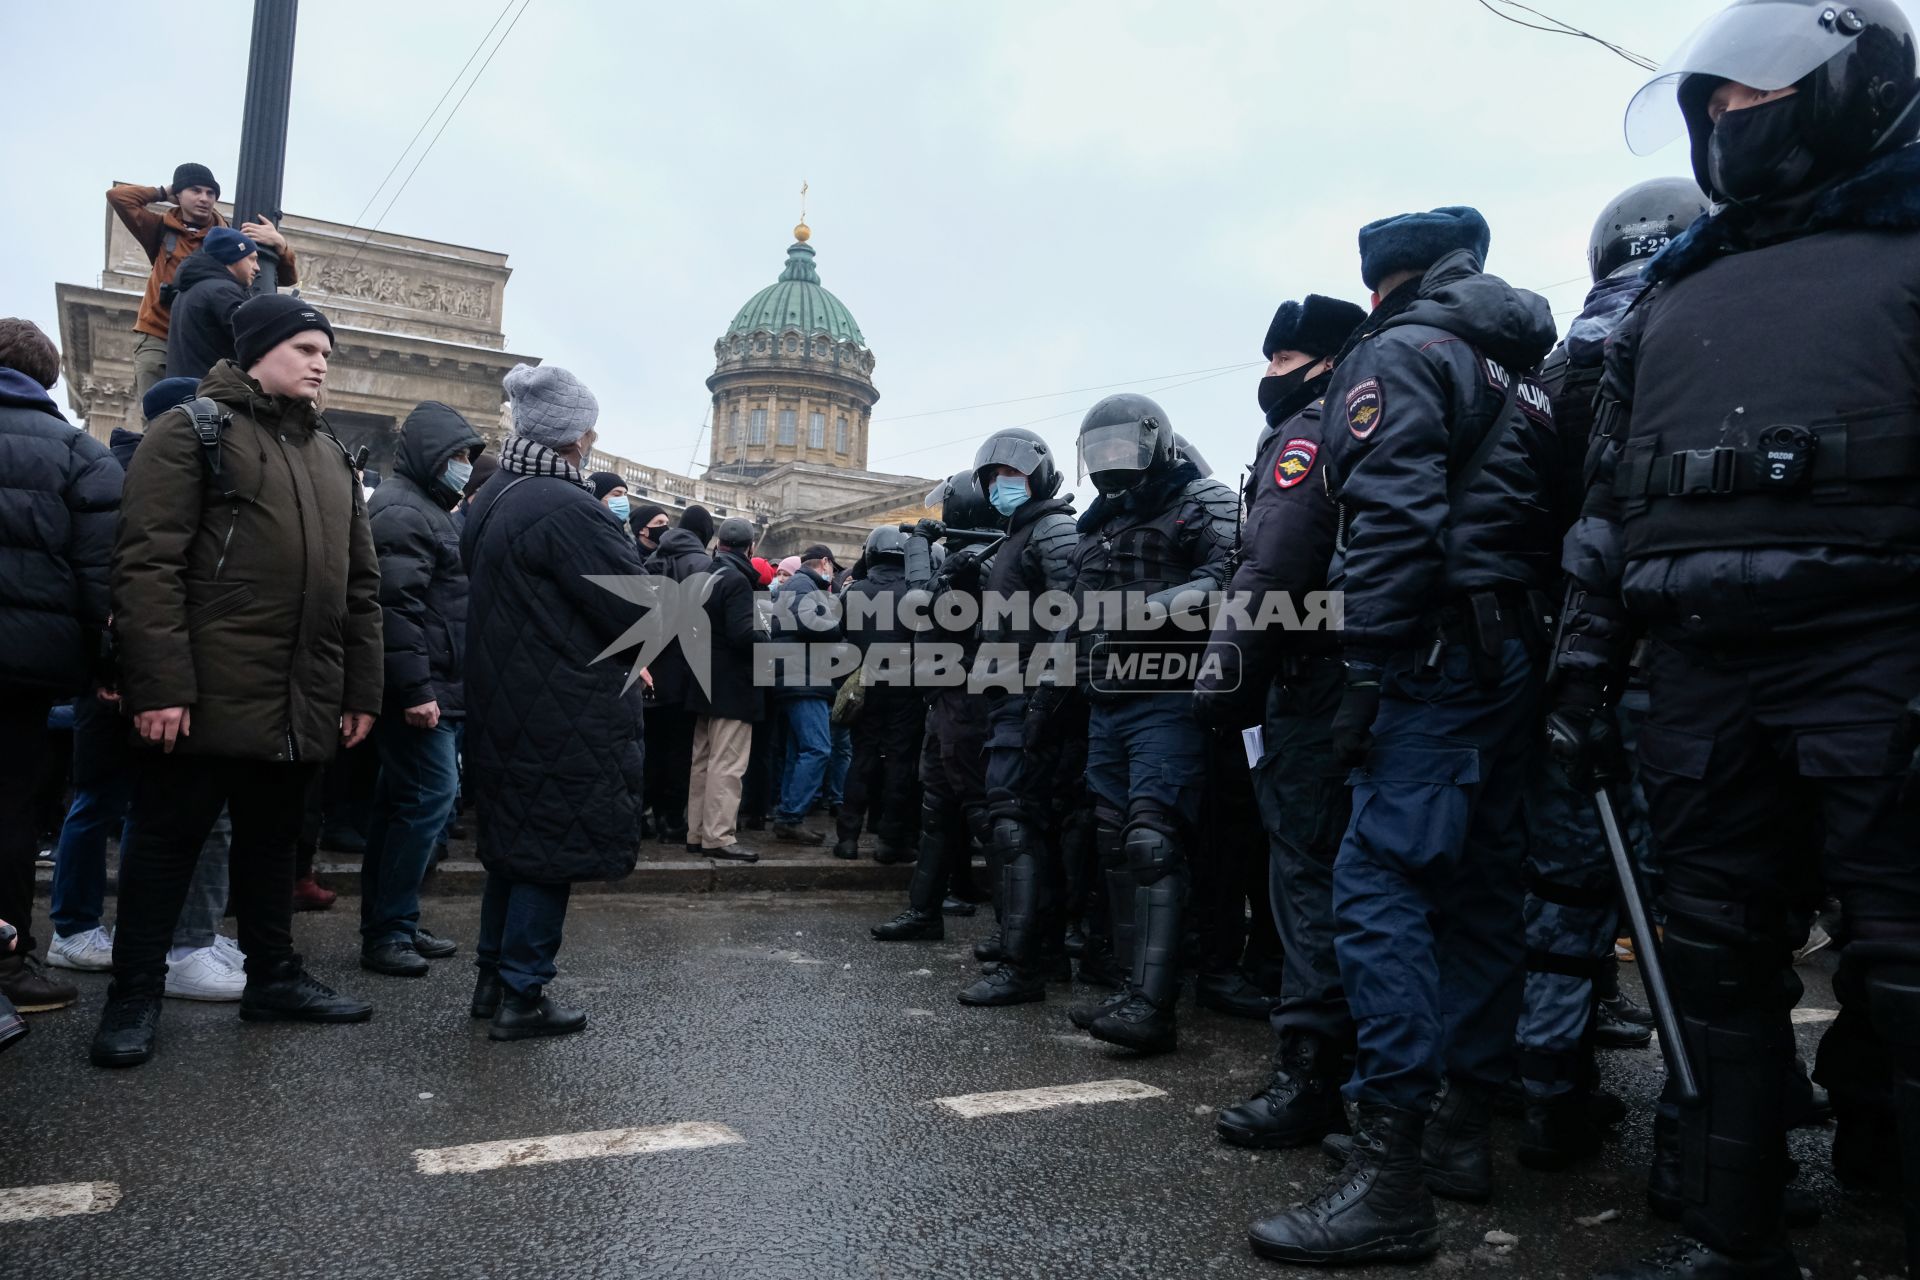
[938,495]
[1120,446]
[1766,44]
[1009,451]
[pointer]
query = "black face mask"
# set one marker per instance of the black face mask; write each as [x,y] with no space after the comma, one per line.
[1281,394]
[1760,152]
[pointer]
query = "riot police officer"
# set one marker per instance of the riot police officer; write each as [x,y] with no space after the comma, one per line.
[1448,539]
[1290,682]
[1157,540]
[1025,773]
[1572,899]
[882,783]
[953,789]
[1754,511]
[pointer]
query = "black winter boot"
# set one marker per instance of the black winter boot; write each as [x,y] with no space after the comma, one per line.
[524,1017]
[1300,1103]
[486,991]
[127,1026]
[1560,1130]
[1459,1144]
[911,926]
[1378,1208]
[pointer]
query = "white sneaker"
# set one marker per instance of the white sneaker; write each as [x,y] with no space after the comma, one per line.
[89,952]
[230,953]
[202,974]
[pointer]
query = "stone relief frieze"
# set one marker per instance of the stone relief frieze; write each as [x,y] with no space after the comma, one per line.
[371,282]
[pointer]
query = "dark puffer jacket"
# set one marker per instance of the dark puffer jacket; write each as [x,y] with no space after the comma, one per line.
[681,556]
[423,587]
[553,751]
[61,490]
[260,613]
[734,626]
[200,334]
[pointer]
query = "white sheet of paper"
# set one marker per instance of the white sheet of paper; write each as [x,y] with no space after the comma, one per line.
[1256,743]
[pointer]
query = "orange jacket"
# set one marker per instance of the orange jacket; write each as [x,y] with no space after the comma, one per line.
[169,241]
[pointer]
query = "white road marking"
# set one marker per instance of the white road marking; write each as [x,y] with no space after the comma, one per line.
[1815,1015]
[514,1152]
[972,1105]
[57,1200]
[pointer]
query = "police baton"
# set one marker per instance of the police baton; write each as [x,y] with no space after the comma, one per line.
[1646,951]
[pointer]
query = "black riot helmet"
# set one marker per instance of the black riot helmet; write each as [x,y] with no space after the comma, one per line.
[1120,438]
[1638,222]
[1853,61]
[886,542]
[962,503]
[1184,451]
[1025,452]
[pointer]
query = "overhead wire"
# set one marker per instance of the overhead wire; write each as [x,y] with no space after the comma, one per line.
[407,150]
[1561,28]
[401,190]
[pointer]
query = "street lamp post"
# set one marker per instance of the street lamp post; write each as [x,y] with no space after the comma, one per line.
[263,126]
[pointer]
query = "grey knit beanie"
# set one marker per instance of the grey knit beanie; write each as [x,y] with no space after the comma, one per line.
[551,407]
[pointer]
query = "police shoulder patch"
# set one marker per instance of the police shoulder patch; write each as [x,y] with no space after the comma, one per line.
[1296,460]
[1366,405]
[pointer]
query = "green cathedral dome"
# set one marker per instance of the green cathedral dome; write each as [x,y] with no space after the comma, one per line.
[797,301]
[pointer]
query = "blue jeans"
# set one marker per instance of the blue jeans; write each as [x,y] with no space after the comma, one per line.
[520,924]
[411,803]
[80,859]
[841,762]
[809,745]
[1427,885]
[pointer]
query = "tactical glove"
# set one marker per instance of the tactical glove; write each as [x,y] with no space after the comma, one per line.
[1582,736]
[1353,719]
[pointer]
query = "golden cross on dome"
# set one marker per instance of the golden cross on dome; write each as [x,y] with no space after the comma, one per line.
[801,233]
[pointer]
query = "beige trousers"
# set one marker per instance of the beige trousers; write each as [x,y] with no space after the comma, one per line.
[720,750]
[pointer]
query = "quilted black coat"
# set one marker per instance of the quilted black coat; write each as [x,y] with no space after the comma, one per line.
[553,751]
[59,491]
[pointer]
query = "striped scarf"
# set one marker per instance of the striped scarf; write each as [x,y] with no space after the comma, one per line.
[524,457]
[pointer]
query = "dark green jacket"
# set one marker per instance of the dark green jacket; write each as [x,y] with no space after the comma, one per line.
[259,613]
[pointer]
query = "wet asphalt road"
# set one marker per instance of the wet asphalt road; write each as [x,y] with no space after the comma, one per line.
[287,1151]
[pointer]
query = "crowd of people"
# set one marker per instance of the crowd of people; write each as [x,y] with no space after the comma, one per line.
[1339,747]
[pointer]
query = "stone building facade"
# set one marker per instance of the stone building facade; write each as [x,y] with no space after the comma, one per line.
[413,320]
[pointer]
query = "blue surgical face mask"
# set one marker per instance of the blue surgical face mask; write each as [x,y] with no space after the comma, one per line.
[457,474]
[620,507]
[1007,493]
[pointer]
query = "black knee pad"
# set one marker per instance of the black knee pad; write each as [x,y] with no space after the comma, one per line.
[1717,966]
[1152,842]
[1014,836]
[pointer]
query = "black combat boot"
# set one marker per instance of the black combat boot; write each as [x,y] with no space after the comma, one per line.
[1300,1103]
[524,1017]
[1234,994]
[127,1026]
[1378,1208]
[911,926]
[1004,983]
[989,950]
[1561,1129]
[1459,1144]
[847,850]
[1696,1261]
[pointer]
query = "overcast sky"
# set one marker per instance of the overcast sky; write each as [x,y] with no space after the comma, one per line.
[1014,199]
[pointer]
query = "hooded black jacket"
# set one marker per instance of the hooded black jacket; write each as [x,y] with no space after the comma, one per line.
[423,587]
[200,334]
[681,556]
[1404,410]
[734,627]
[57,510]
